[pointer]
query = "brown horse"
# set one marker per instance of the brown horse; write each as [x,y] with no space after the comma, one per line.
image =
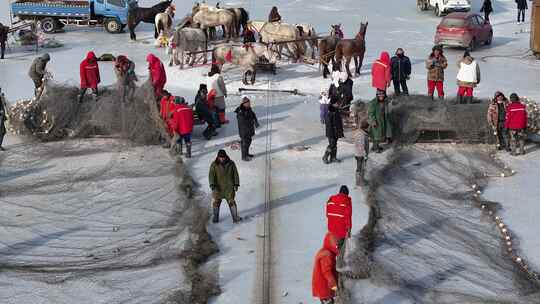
[353,48]
[327,49]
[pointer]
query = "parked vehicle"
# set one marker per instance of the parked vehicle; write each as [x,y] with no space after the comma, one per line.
[443,7]
[53,15]
[467,30]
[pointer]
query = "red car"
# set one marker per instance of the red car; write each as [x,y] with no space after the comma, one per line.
[467,30]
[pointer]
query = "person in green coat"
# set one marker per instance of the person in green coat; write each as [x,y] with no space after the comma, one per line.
[380,128]
[224,182]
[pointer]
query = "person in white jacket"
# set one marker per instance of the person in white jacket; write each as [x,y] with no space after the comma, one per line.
[215,82]
[468,78]
[361,151]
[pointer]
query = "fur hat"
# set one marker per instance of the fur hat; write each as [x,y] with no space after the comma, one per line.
[514,97]
[222,153]
[244,99]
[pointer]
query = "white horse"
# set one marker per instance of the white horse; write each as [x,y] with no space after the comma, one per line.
[164,23]
[208,17]
[288,34]
[243,56]
[187,40]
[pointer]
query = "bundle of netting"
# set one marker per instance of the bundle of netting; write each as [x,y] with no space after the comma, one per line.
[533,114]
[419,118]
[57,114]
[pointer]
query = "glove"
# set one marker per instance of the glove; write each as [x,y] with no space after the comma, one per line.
[334,288]
[235,188]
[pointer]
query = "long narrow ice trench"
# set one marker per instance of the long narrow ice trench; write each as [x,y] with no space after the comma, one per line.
[432,243]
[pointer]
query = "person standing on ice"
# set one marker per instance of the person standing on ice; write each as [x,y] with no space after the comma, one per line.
[339,215]
[379,121]
[166,108]
[3,118]
[401,71]
[4,30]
[334,130]
[89,72]
[182,125]
[37,71]
[468,78]
[324,283]
[215,82]
[224,182]
[516,123]
[345,89]
[157,74]
[487,9]
[496,117]
[521,7]
[274,15]
[361,152]
[124,70]
[247,123]
[381,72]
[436,64]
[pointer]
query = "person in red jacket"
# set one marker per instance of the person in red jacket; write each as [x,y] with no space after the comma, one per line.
[89,72]
[182,125]
[516,123]
[381,72]
[157,74]
[166,108]
[324,279]
[339,214]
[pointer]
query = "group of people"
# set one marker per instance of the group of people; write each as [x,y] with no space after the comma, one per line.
[508,119]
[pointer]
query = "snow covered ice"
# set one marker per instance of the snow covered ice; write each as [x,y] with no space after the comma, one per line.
[97,220]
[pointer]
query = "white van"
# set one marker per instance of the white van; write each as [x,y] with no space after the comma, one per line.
[443,7]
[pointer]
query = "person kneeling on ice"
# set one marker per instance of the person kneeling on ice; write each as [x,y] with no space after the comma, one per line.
[468,78]
[339,215]
[89,70]
[324,278]
[224,182]
[361,152]
[379,121]
[334,130]
[182,126]
[157,74]
[516,123]
[247,123]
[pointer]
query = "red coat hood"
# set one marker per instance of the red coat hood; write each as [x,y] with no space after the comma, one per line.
[385,58]
[330,243]
[91,57]
[152,59]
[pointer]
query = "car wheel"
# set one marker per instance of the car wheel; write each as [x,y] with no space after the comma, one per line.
[490,39]
[113,26]
[48,25]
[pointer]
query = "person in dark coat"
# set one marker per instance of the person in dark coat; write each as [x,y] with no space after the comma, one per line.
[274,15]
[496,117]
[3,118]
[401,71]
[204,111]
[37,71]
[345,90]
[334,131]
[4,30]
[248,36]
[224,182]
[487,9]
[247,122]
[522,7]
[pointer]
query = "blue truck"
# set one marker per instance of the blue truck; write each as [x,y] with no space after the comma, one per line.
[53,15]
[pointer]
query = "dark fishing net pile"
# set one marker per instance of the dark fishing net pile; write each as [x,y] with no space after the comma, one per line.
[57,114]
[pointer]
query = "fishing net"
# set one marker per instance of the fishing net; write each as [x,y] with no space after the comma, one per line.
[430,237]
[56,114]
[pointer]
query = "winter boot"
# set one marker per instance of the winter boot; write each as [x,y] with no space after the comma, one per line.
[188,150]
[468,99]
[431,96]
[460,99]
[215,214]
[326,156]
[222,119]
[234,213]
[522,145]
[333,157]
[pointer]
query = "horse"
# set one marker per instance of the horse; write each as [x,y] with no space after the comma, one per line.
[308,31]
[270,33]
[207,17]
[145,14]
[327,49]
[242,17]
[164,22]
[187,40]
[353,48]
[244,56]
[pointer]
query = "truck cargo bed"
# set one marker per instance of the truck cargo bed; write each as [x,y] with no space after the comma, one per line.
[56,8]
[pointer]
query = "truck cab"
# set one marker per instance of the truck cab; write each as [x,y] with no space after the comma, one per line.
[113,13]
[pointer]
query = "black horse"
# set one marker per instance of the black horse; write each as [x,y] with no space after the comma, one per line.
[145,14]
